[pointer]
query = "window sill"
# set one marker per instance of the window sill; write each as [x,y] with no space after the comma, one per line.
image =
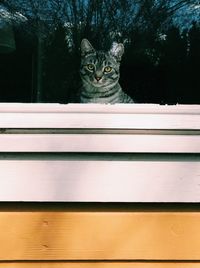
[99,153]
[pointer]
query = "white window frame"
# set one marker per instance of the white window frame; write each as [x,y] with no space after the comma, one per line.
[100,153]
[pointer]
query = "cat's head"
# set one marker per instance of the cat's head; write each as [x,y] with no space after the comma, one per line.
[99,68]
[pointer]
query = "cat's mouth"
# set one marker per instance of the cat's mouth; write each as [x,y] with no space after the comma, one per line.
[98,83]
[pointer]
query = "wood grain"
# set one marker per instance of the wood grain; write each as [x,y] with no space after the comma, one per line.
[100,265]
[99,236]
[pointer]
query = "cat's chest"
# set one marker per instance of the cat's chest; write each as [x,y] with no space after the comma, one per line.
[100,95]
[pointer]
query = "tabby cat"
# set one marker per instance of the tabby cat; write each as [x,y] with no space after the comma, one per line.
[100,75]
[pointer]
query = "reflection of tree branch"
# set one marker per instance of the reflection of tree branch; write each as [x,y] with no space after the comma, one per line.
[177,6]
[89,13]
[104,15]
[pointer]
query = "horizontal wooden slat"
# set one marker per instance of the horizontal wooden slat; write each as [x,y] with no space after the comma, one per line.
[136,116]
[99,236]
[100,265]
[98,108]
[100,180]
[99,143]
[111,121]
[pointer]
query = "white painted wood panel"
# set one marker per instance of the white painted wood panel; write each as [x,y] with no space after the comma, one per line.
[104,143]
[100,181]
[96,121]
[98,108]
[99,129]
[125,116]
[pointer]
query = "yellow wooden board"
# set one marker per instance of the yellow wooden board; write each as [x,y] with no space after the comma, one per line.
[100,265]
[99,236]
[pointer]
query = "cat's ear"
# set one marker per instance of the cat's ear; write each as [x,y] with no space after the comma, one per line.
[86,48]
[117,50]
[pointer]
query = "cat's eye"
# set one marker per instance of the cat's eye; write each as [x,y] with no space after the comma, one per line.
[107,69]
[90,67]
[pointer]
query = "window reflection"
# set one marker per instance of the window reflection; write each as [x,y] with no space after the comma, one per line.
[40,47]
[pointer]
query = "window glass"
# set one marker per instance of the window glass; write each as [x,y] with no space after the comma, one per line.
[40,48]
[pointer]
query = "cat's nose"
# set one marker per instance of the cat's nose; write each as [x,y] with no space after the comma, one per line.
[98,78]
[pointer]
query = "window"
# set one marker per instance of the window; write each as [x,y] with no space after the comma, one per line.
[40,40]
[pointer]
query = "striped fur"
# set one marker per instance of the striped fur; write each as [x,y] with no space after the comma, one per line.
[100,75]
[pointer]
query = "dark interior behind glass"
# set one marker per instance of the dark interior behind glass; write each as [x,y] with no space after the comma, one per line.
[40,48]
